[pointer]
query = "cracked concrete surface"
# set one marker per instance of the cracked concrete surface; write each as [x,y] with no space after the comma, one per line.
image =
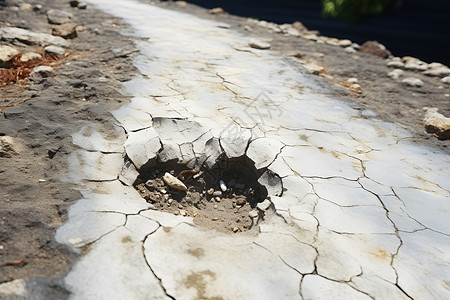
[360,212]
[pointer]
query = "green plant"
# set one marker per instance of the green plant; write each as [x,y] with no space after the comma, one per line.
[352,11]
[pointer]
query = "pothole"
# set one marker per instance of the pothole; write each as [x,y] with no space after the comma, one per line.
[223,197]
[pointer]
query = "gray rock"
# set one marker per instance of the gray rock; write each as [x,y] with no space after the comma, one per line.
[58,17]
[42,71]
[170,151]
[257,44]
[66,30]
[55,50]
[29,37]
[410,81]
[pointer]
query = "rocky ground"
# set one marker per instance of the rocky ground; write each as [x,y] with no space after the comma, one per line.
[38,115]
[35,127]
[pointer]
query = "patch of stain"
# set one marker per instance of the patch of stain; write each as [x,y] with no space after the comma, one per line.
[196,280]
[126,239]
[382,254]
[197,252]
[167,229]
[446,284]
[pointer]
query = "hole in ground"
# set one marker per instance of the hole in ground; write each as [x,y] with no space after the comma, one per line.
[211,207]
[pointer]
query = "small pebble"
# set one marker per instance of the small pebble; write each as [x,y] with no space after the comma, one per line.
[241,201]
[223,186]
[215,219]
[176,213]
[183,213]
[352,80]
[170,201]
[215,206]
[235,229]
[217,199]
[163,191]
[217,194]
[210,191]
[180,206]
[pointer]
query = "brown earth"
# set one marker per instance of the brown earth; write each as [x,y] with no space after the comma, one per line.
[38,117]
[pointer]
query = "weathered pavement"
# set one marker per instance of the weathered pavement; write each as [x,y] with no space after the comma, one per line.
[361,212]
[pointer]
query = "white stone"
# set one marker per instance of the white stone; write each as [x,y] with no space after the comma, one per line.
[396,74]
[345,43]
[395,64]
[30,56]
[350,50]
[313,68]
[174,182]
[415,82]
[7,53]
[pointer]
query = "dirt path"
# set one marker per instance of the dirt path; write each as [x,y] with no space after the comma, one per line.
[40,120]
